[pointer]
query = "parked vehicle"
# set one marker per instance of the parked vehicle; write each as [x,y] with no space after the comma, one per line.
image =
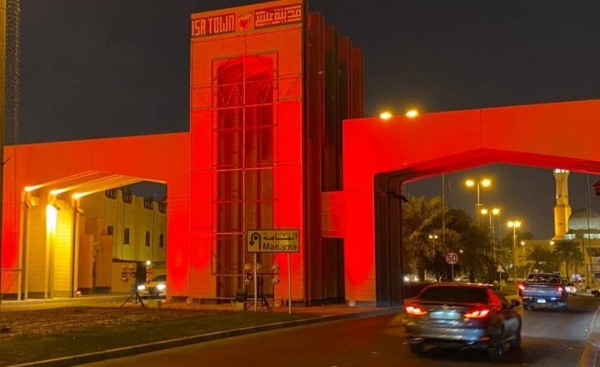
[157,287]
[543,289]
[462,315]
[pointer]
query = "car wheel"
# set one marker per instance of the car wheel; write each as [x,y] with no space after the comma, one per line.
[418,348]
[516,342]
[497,350]
[495,353]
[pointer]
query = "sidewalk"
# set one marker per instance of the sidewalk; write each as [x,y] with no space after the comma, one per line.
[591,352]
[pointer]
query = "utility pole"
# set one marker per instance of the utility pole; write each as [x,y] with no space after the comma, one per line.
[3,10]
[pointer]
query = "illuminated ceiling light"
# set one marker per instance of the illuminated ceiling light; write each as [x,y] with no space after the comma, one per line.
[412,113]
[385,115]
[31,188]
[79,195]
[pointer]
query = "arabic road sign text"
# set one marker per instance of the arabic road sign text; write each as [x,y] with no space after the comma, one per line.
[272,240]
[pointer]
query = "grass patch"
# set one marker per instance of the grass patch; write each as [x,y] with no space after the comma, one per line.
[47,334]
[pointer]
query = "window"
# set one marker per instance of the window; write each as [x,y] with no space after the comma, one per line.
[110,230]
[161,241]
[127,197]
[149,203]
[147,239]
[111,193]
[454,294]
[126,236]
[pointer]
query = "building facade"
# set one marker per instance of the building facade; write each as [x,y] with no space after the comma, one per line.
[276,142]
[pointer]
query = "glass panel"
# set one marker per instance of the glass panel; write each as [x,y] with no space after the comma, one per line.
[229,143]
[229,217]
[229,185]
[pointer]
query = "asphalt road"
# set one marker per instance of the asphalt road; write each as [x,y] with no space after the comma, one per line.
[550,338]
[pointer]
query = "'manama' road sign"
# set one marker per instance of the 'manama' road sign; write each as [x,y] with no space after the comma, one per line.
[272,240]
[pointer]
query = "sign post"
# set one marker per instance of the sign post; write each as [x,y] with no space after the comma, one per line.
[273,241]
[451,258]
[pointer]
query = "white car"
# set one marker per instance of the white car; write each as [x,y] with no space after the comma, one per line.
[157,287]
[570,288]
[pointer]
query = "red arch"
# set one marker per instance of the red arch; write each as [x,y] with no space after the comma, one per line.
[550,135]
[161,158]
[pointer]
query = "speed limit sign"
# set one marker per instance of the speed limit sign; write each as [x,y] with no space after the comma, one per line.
[451,258]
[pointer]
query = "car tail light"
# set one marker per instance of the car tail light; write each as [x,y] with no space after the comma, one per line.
[478,313]
[416,310]
[560,289]
[521,286]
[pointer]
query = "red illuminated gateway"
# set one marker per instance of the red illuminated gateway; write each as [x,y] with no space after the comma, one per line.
[270,85]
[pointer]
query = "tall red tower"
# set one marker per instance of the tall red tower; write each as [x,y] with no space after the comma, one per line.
[270,86]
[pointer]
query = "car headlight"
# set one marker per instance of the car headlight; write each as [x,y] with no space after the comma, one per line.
[141,287]
[161,287]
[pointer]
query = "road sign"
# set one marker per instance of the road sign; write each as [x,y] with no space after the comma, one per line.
[272,240]
[499,269]
[451,258]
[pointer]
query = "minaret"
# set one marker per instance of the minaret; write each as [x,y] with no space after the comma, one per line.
[562,210]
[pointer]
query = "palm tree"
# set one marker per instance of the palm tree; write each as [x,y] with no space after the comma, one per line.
[543,258]
[422,218]
[569,253]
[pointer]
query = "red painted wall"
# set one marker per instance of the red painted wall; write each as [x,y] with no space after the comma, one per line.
[551,135]
[246,127]
[161,158]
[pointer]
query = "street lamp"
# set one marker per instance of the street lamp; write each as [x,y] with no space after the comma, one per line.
[485,182]
[492,212]
[514,224]
[524,263]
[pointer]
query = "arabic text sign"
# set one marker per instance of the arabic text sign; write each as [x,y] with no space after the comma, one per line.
[272,240]
[277,15]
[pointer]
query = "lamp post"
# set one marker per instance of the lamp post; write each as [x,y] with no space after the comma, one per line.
[524,263]
[492,212]
[514,224]
[485,182]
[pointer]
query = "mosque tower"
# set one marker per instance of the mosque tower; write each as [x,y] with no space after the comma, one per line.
[562,210]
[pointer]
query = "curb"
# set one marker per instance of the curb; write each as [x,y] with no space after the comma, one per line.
[592,346]
[173,343]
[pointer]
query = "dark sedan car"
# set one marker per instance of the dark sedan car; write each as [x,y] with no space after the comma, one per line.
[463,315]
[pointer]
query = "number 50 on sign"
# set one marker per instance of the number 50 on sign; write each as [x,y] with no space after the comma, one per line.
[451,258]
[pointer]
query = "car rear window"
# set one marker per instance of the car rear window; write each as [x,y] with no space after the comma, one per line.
[455,294]
[159,278]
[543,278]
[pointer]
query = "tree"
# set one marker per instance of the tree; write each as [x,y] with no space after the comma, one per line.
[568,253]
[543,259]
[423,235]
[473,245]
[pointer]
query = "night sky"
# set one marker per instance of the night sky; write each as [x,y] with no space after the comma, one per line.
[94,69]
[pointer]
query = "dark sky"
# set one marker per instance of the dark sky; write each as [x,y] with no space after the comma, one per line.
[120,67]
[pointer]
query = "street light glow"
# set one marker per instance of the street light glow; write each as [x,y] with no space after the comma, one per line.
[386,115]
[514,224]
[412,113]
[470,183]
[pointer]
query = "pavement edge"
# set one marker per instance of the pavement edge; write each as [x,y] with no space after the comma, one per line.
[166,344]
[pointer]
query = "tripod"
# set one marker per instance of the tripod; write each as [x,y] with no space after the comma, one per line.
[134,297]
